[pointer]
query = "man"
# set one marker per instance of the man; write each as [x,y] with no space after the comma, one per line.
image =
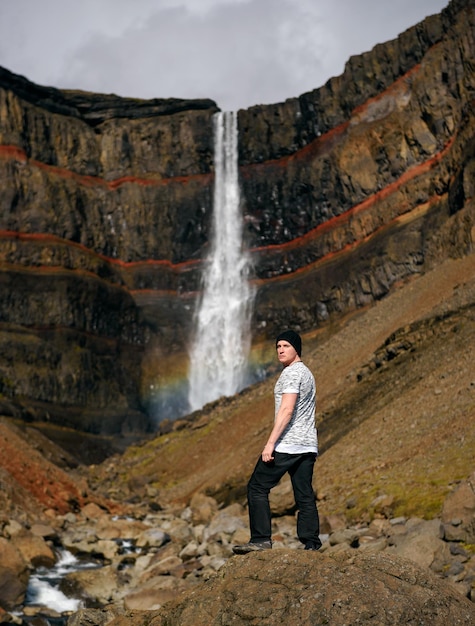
[291,447]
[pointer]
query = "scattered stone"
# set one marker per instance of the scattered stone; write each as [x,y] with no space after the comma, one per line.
[397,520]
[152,537]
[202,508]
[45,531]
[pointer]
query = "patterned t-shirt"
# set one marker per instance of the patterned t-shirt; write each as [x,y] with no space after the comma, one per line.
[300,435]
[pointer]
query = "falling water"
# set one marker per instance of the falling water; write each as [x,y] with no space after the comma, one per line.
[220,349]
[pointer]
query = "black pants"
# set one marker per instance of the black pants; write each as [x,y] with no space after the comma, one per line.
[268,475]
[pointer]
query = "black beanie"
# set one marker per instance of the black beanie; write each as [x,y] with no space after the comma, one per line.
[293,338]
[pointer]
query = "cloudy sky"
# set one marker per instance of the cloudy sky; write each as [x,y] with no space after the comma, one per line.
[237,52]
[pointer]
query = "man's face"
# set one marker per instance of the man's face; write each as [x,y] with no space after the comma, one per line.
[286,353]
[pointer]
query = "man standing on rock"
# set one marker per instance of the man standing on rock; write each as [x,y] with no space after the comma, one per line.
[291,447]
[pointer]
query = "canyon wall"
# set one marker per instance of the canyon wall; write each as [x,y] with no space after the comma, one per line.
[355,186]
[106,203]
[104,209]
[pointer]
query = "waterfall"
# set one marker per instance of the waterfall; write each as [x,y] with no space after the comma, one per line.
[222,337]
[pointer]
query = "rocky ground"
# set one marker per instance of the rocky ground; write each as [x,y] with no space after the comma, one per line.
[395,484]
[181,551]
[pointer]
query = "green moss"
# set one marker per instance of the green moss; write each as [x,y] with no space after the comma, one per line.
[416,497]
[418,488]
[469,547]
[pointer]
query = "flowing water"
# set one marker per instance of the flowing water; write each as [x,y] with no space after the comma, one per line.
[222,338]
[43,587]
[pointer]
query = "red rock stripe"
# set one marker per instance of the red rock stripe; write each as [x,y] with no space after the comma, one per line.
[140,293]
[315,146]
[325,142]
[365,205]
[12,152]
[54,239]
[347,248]
[330,224]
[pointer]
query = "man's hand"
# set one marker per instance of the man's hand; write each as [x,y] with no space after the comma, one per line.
[268,453]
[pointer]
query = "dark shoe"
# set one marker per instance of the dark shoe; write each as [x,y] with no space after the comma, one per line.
[312,545]
[252,546]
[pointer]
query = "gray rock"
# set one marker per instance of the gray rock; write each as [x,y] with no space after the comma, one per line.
[152,537]
[420,544]
[347,535]
[224,521]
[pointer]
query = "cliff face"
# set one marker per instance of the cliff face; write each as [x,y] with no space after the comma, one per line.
[355,186]
[101,204]
[106,205]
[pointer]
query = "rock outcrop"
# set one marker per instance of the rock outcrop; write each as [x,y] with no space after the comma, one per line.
[106,205]
[272,587]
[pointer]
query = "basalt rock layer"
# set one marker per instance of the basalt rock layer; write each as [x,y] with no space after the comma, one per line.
[106,206]
[355,186]
[100,198]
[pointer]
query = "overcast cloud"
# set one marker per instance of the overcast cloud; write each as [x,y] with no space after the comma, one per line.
[237,52]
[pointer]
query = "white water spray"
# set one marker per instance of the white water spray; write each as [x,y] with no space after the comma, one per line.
[220,350]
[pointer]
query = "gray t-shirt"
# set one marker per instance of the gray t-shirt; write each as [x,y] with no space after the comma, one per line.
[300,435]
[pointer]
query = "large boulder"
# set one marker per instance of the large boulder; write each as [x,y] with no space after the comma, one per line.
[421,542]
[34,549]
[14,574]
[289,587]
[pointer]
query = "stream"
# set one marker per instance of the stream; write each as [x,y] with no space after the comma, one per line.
[44,597]
[44,593]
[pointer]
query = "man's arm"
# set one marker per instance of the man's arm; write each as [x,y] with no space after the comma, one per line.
[282,418]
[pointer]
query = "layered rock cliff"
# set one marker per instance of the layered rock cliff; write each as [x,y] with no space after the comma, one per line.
[359,184]
[101,204]
[106,206]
